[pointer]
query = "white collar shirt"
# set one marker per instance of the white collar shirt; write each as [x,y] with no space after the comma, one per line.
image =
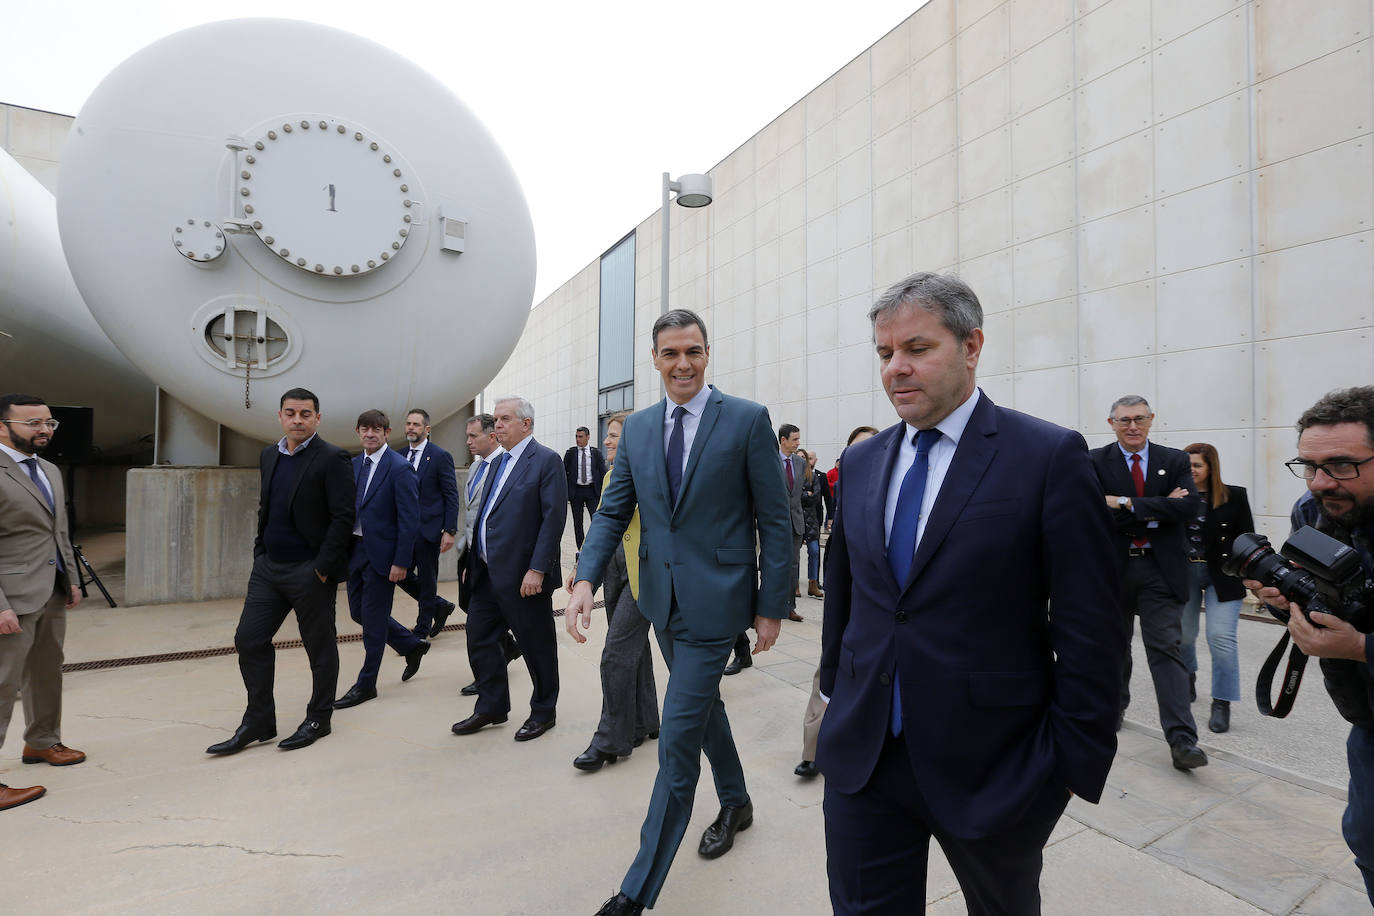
[941,456]
[499,484]
[415,452]
[1144,454]
[690,421]
[19,458]
[281,445]
[370,462]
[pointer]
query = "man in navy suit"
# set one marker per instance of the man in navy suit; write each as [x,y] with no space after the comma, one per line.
[388,522]
[970,649]
[514,567]
[703,469]
[585,467]
[438,483]
[1150,492]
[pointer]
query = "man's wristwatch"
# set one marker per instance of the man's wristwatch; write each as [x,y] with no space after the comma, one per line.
[451,532]
[1123,502]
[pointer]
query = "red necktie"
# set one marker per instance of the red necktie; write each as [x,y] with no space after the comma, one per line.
[1138,477]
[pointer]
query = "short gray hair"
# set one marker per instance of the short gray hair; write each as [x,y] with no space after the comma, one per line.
[944,295]
[524,410]
[680,318]
[1128,400]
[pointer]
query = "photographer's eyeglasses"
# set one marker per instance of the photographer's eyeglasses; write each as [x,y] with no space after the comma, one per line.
[1336,470]
[33,424]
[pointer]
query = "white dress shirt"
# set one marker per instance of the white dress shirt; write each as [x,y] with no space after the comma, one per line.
[1144,454]
[371,462]
[690,420]
[941,455]
[20,457]
[500,484]
[419,448]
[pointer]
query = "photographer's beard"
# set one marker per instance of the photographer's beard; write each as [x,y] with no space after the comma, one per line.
[1344,510]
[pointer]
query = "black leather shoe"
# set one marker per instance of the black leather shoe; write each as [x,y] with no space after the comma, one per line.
[738,664]
[1120,719]
[1192,687]
[620,905]
[652,736]
[1221,716]
[591,759]
[532,729]
[1187,756]
[355,696]
[475,723]
[413,659]
[511,648]
[720,836]
[440,618]
[470,690]
[309,732]
[244,735]
[807,770]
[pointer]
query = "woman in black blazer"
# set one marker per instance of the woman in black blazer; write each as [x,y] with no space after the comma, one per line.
[1223,513]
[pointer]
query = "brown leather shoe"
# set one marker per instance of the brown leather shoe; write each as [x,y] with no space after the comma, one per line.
[813,588]
[793,615]
[13,798]
[59,755]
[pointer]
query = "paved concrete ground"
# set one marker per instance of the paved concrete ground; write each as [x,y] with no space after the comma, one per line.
[393,813]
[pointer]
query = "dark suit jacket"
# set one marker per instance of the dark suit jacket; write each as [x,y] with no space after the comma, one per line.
[438,492]
[525,527]
[701,549]
[1168,469]
[390,512]
[598,462]
[321,504]
[794,495]
[1219,533]
[1006,634]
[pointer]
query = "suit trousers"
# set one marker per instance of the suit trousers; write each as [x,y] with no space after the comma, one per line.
[274,590]
[582,498]
[531,620]
[878,844]
[796,572]
[1357,824]
[629,697]
[422,584]
[694,720]
[369,603]
[1146,595]
[31,667]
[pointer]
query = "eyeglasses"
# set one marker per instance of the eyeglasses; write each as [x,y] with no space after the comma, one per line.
[32,424]
[1336,470]
[1132,421]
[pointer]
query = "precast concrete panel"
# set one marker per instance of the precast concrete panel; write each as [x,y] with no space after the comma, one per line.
[1043,138]
[855,368]
[853,177]
[1292,372]
[1336,275]
[891,154]
[1296,112]
[891,257]
[1117,323]
[1171,18]
[1051,394]
[1034,20]
[891,104]
[1276,489]
[820,238]
[933,132]
[1117,249]
[1114,105]
[1109,37]
[1210,306]
[1203,145]
[999,347]
[983,46]
[821,323]
[820,149]
[935,241]
[890,56]
[933,79]
[984,104]
[1203,226]
[892,206]
[1289,34]
[1046,335]
[1046,268]
[1201,66]
[1001,388]
[1042,73]
[1207,388]
[1315,196]
[991,278]
[984,164]
[853,130]
[1116,177]
[1043,203]
[821,422]
[935,26]
[822,281]
[1099,384]
[967,12]
[854,271]
[985,224]
[935,186]
[853,83]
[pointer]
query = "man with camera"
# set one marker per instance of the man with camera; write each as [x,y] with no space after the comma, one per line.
[1336,458]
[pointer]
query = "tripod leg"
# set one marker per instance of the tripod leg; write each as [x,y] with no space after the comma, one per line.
[83,563]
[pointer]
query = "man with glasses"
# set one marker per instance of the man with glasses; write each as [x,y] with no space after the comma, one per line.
[36,588]
[1336,458]
[1150,492]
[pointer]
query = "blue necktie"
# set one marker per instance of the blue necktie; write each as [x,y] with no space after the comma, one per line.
[411,459]
[47,494]
[901,542]
[486,501]
[476,479]
[361,482]
[674,458]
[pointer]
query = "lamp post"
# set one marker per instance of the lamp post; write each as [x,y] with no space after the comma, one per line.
[692,191]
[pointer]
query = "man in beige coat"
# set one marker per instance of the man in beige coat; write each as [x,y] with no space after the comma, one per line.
[36,589]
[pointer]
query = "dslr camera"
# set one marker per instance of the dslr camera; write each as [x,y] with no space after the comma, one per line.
[1312,569]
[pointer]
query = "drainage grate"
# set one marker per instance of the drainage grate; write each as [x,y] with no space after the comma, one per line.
[130,661]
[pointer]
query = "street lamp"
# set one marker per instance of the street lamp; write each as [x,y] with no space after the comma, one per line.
[692,191]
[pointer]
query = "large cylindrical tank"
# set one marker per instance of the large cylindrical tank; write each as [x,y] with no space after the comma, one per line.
[50,346]
[256,205]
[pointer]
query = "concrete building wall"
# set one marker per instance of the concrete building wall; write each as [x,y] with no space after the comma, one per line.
[1173,198]
[34,138]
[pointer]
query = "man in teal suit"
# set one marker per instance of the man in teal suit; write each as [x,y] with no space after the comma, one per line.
[702,467]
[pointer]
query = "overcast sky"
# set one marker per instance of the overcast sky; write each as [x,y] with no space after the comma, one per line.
[602,97]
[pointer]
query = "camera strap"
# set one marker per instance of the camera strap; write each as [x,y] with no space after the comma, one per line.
[1292,679]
